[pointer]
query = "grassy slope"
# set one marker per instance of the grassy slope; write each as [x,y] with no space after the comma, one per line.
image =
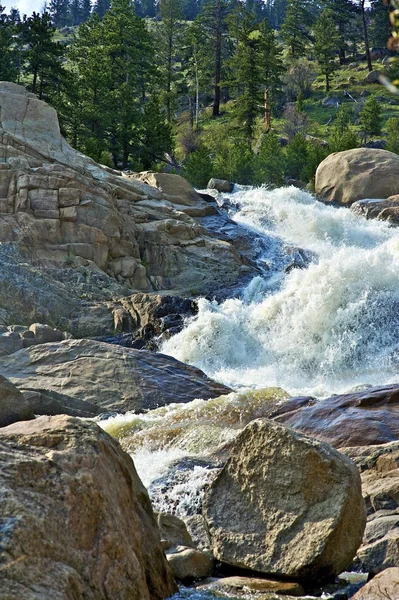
[345,79]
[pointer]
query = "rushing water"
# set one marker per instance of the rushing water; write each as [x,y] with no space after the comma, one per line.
[317,330]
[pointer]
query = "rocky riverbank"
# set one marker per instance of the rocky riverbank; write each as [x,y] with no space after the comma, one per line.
[258,493]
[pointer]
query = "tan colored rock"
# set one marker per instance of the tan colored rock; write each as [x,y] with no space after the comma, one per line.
[85,526]
[69,200]
[372,77]
[384,586]
[44,333]
[285,505]
[188,563]
[173,531]
[345,177]
[176,189]
[384,210]
[9,343]
[68,197]
[110,377]
[234,585]
[13,406]
[379,467]
[196,527]
[69,214]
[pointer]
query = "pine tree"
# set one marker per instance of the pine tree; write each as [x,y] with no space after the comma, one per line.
[85,10]
[269,161]
[156,136]
[255,68]
[362,6]
[168,32]
[101,7]
[59,12]
[326,43]
[111,100]
[380,28]
[9,56]
[392,127]
[42,56]
[371,118]
[213,26]
[343,12]
[295,30]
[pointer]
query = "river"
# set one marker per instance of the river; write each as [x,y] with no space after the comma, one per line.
[327,328]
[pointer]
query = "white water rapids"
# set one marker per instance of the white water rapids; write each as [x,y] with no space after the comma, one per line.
[319,330]
[323,329]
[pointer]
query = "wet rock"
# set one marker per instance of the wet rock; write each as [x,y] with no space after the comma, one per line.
[13,405]
[85,527]
[285,505]
[188,564]
[151,319]
[345,177]
[364,418]
[384,210]
[221,185]
[243,585]
[108,376]
[384,586]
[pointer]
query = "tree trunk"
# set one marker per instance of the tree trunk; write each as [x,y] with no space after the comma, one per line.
[341,28]
[268,112]
[366,36]
[218,61]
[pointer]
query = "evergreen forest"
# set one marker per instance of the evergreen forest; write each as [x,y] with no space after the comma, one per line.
[257,92]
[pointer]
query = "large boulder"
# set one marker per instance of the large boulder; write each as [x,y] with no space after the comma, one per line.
[358,419]
[379,468]
[285,505]
[76,519]
[64,212]
[345,177]
[13,405]
[110,377]
[384,586]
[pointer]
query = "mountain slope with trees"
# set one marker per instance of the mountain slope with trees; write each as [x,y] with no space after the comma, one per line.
[257,92]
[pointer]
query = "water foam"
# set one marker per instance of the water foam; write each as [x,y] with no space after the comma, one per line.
[320,330]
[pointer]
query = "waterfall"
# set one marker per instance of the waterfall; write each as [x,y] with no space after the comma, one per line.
[319,330]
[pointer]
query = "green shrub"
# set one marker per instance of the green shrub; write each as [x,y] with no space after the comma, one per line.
[270,161]
[393,134]
[199,168]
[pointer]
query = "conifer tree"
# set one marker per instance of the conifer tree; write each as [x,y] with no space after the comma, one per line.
[380,28]
[101,7]
[255,67]
[326,43]
[8,51]
[59,10]
[42,55]
[213,25]
[371,118]
[343,12]
[168,32]
[295,30]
